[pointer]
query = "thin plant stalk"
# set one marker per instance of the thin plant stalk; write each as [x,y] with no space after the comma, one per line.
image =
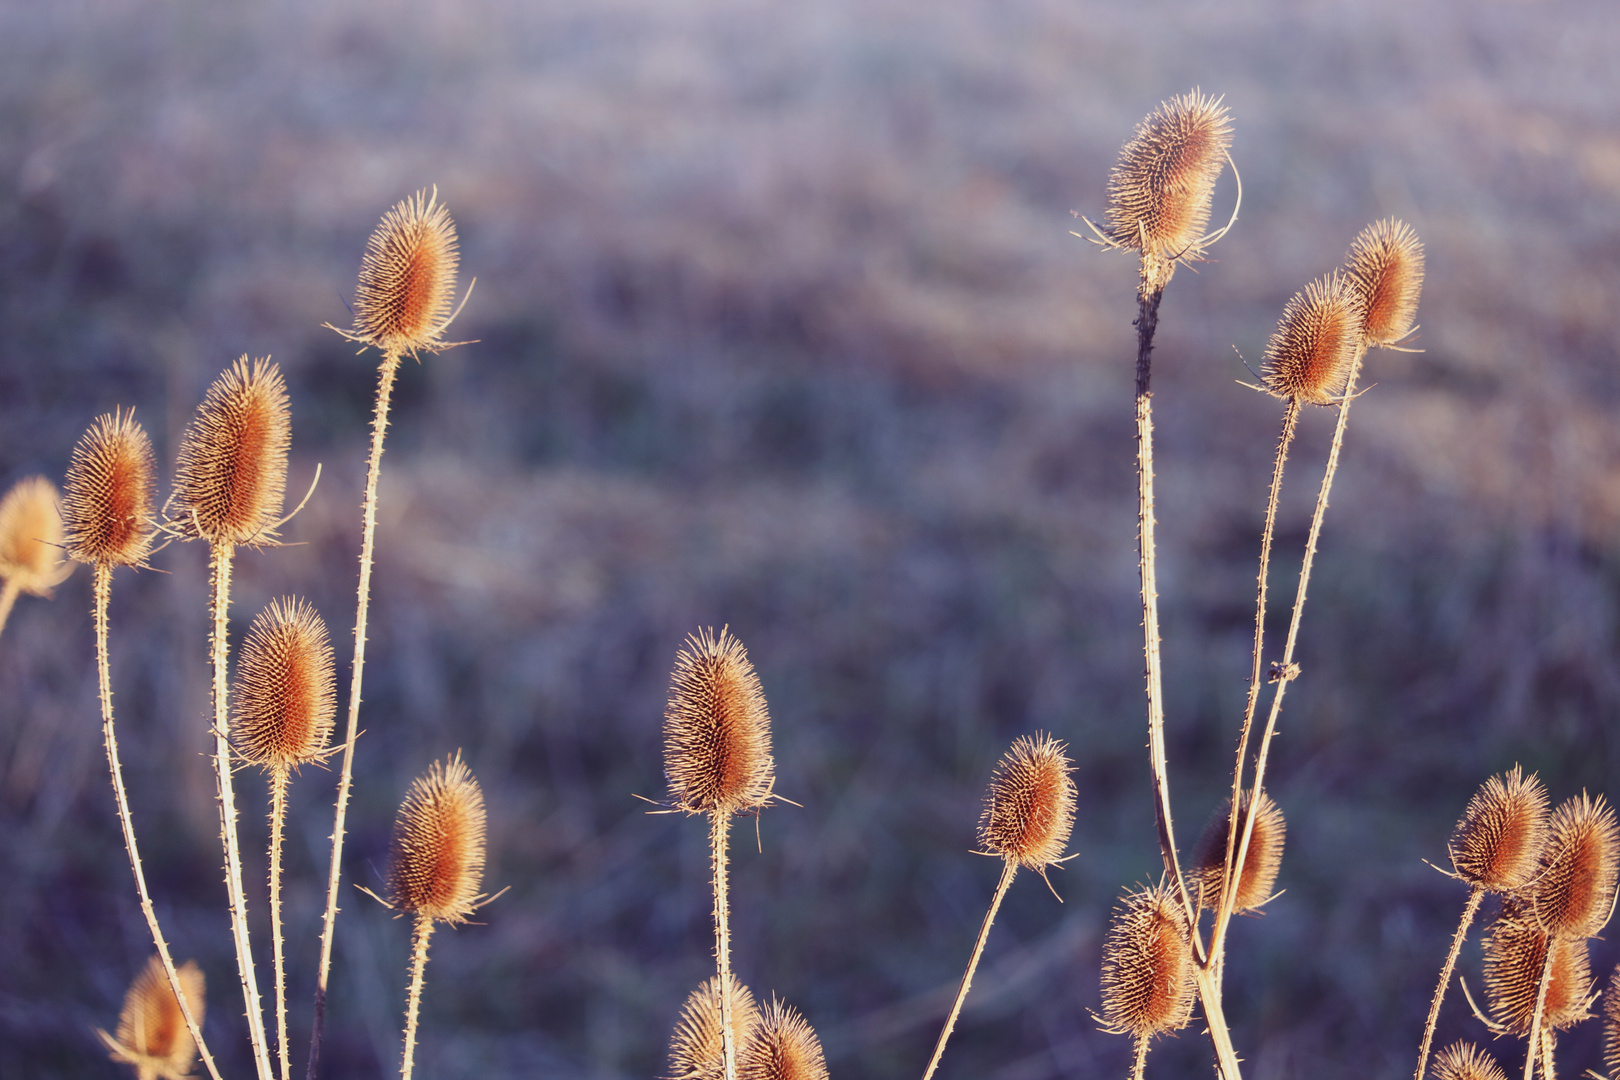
[1139,1058]
[419,952]
[8,597]
[102,579]
[1535,1019]
[379,426]
[719,826]
[278,815]
[1009,868]
[1471,909]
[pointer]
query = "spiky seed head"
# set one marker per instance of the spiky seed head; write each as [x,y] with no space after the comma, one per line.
[1029,808]
[286,688]
[1611,1025]
[152,1033]
[1574,895]
[1515,950]
[782,1046]
[695,1050]
[438,849]
[1147,985]
[31,537]
[408,277]
[1160,190]
[717,730]
[1465,1061]
[1259,874]
[1385,268]
[1311,352]
[1498,843]
[232,472]
[107,497]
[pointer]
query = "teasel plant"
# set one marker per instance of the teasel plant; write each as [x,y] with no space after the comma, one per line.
[697,1048]
[1465,1061]
[1027,818]
[403,305]
[281,719]
[782,1046]
[156,1029]
[30,542]
[1148,976]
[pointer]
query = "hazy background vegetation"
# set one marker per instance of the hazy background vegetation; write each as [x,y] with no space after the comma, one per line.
[780,325]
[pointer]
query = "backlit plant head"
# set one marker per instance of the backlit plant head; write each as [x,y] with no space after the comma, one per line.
[286,688]
[107,501]
[1498,843]
[232,470]
[717,730]
[438,847]
[152,1033]
[695,1051]
[1029,808]
[1314,346]
[1385,268]
[1160,191]
[31,537]
[408,278]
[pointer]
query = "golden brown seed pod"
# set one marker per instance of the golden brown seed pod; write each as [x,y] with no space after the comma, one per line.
[717,731]
[152,1032]
[1498,843]
[107,501]
[1465,1061]
[1611,1025]
[438,849]
[232,471]
[1029,809]
[31,537]
[1385,268]
[1515,950]
[782,1046]
[408,278]
[1160,190]
[1260,865]
[695,1050]
[286,688]
[1310,354]
[1574,895]
[1147,985]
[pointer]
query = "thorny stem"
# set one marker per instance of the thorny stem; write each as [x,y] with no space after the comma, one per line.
[1541,1006]
[8,597]
[1007,871]
[1469,911]
[103,591]
[278,815]
[1139,1061]
[719,825]
[419,951]
[379,425]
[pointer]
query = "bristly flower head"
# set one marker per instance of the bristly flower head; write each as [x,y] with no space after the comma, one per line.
[31,537]
[1029,809]
[1575,892]
[232,471]
[286,688]
[152,1032]
[1465,1061]
[1310,354]
[1159,192]
[1611,1025]
[408,278]
[782,1046]
[695,1050]
[438,849]
[1259,874]
[1385,267]
[1147,985]
[1498,843]
[107,504]
[717,731]
[1515,951]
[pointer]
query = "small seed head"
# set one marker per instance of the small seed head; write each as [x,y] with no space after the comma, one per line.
[408,278]
[1498,843]
[695,1050]
[1310,355]
[1159,192]
[1385,269]
[782,1046]
[1515,950]
[438,849]
[152,1033]
[1574,895]
[717,730]
[1147,985]
[286,688]
[1260,865]
[1029,809]
[107,505]
[232,472]
[1465,1061]
[31,537]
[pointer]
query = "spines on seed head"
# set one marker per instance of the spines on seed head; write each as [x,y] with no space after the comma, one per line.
[1575,891]
[1498,843]
[1147,984]
[717,729]
[1259,874]
[695,1050]
[1515,950]
[107,501]
[232,470]
[782,1046]
[31,537]
[1029,808]
[1314,346]
[286,688]
[1385,268]
[1465,1061]
[152,1032]
[438,846]
[1159,192]
[408,278]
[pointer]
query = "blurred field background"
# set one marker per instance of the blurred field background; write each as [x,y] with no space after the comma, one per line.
[780,326]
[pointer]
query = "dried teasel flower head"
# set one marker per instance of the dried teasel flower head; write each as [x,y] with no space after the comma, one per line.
[31,537]
[1611,1025]
[1465,1061]
[717,730]
[286,688]
[1314,346]
[1498,843]
[107,501]
[408,278]
[1160,190]
[1515,950]
[1029,808]
[695,1050]
[1575,892]
[1259,874]
[438,848]
[782,1046]
[232,472]
[1385,268]
[152,1033]
[1147,984]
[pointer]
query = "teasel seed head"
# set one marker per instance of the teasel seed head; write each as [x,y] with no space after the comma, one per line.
[31,537]
[1515,950]
[695,1050]
[107,497]
[1575,892]
[1147,984]
[1029,808]
[286,688]
[1314,346]
[408,278]
[152,1033]
[1385,268]
[717,730]
[1465,1061]
[232,471]
[1259,874]
[1611,1025]
[782,1046]
[438,848]
[1498,843]
[1160,190]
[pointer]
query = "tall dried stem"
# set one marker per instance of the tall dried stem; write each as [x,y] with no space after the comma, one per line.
[1535,1018]
[1008,870]
[278,816]
[719,826]
[419,951]
[1469,911]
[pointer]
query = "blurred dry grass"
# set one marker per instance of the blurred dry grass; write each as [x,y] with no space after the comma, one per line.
[780,327]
